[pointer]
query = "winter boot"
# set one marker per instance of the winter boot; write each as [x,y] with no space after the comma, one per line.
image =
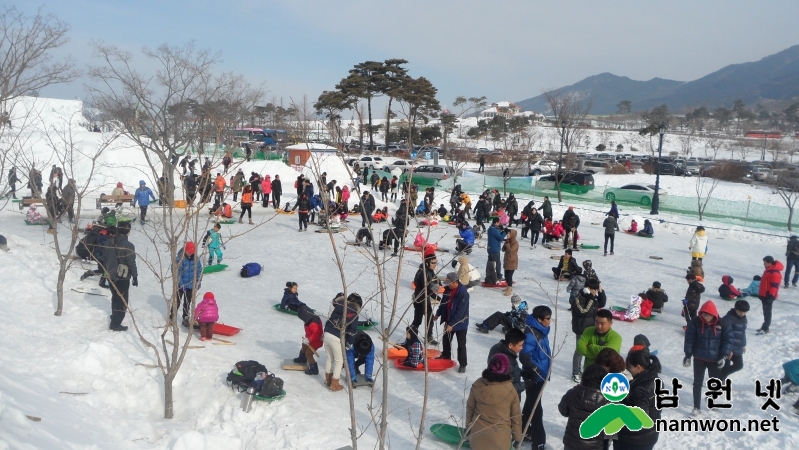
[313,369]
[302,359]
[328,379]
[251,222]
[335,386]
[241,219]
[508,291]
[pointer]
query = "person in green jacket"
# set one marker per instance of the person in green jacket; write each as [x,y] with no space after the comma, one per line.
[598,337]
[546,209]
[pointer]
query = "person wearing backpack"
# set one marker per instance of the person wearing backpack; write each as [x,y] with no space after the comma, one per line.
[207,314]
[312,341]
[340,320]
[119,262]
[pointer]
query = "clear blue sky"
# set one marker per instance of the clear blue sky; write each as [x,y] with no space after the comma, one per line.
[505,50]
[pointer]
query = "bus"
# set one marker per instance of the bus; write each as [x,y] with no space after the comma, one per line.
[246,135]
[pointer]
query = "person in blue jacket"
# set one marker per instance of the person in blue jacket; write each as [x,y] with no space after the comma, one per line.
[454,313]
[291,300]
[465,243]
[709,341]
[362,352]
[190,275]
[648,231]
[496,235]
[536,357]
[143,196]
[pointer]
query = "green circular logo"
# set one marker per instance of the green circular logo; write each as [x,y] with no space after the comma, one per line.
[615,387]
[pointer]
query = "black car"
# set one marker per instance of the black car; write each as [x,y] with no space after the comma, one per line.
[650,167]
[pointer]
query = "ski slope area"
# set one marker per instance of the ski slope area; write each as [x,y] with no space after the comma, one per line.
[89,389]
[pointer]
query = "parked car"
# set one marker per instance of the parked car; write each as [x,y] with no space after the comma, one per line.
[399,164]
[542,166]
[634,193]
[594,166]
[650,167]
[436,172]
[761,174]
[572,182]
[371,161]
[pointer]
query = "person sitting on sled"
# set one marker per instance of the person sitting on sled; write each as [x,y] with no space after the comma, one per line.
[312,340]
[648,231]
[566,266]
[361,352]
[557,230]
[753,288]
[727,291]
[442,210]
[633,227]
[413,346]
[225,211]
[291,300]
[514,318]
[381,215]
[33,216]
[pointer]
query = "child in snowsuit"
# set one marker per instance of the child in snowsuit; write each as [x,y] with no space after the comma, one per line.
[727,291]
[381,215]
[33,216]
[207,314]
[753,288]
[290,299]
[696,269]
[361,352]
[213,238]
[633,227]
[633,311]
[692,297]
[312,340]
[514,318]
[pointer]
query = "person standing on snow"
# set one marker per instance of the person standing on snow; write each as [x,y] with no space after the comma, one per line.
[266,190]
[213,238]
[736,317]
[277,191]
[219,188]
[454,313]
[792,260]
[611,226]
[698,244]
[496,236]
[536,358]
[143,196]
[709,342]
[119,262]
[237,184]
[692,297]
[190,274]
[570,223]
[769,290]
[546,209]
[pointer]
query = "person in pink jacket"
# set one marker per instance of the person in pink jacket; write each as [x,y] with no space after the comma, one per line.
[206,315]
[266,189]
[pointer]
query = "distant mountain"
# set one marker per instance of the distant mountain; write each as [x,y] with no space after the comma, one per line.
[774,77]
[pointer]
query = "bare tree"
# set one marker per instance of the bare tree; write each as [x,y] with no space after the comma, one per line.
[787,187]
[705,187]
[569,110]
[686,141]
[714,144]
[77,161]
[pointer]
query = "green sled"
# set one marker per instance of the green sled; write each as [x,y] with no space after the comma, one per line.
[363,326]
[215,268]
[448,433]
[227,222]
[271,399]
[287,311]
[589,247]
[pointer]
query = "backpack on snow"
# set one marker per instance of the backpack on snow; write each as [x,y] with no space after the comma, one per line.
[250,270]
[244,375]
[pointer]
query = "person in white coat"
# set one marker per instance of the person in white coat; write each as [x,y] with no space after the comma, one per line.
[698,244]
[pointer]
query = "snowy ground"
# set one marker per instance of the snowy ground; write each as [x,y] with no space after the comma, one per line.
[121,405]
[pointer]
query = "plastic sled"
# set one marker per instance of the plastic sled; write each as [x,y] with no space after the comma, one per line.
[225,330]
[419,249]
[215,268]
[367,324]
[281,211]
[289,364]
[332,230]
[95,291]
[433,365]
[622,309]
[401,353]
[452,222]
[227,221]
[271,399]
[288,311]
[42,222]
[656,257]
[449,433]
[360,380]
[501,284]
[589,247]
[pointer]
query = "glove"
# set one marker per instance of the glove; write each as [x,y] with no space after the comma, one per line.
[135,281]
[348,347]
[601,342]
[685,301]
[203,245]
[721,362]
[224,248]
[686,362]
[305,340]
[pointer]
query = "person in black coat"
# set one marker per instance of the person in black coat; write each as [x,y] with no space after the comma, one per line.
[736,317]
[644,369]
[525,218]
[566,266]
[510,347]
[277,191]
[570,223]
[367,208]
[579,403]
[692,297]
[657,296]
[423,293]
[305,207]
[482,210]
[584,307]
[535,221]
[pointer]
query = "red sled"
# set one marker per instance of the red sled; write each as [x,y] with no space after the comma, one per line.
[225,330]
[433,365]
[501,284]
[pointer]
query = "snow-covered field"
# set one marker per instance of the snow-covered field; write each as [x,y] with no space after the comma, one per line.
[45,358]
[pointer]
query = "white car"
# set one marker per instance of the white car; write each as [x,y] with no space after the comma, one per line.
[371,162]
[542,166]
[401,164]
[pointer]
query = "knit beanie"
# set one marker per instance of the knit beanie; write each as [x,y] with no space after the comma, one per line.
[499,364]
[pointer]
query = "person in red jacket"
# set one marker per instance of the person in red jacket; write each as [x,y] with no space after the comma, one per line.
[769,289]
[312,341]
